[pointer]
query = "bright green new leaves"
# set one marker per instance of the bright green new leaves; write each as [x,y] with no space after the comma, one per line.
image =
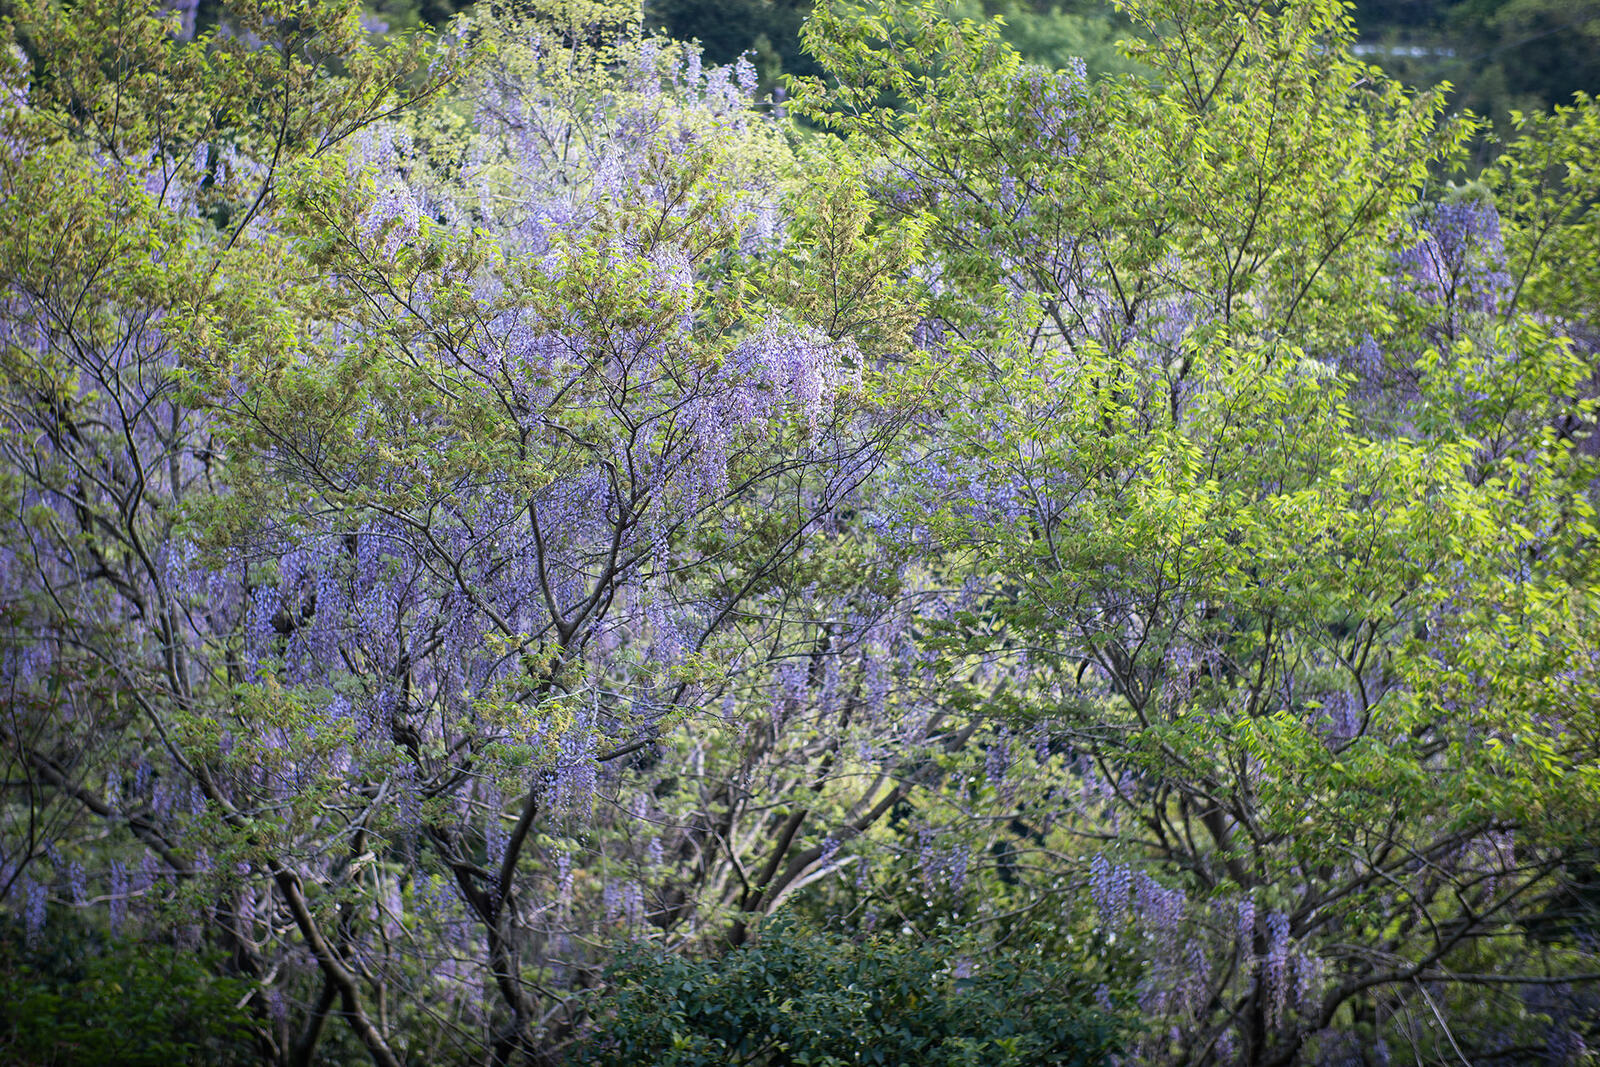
[1307,656]
[1315,637]
[1253,181]
[1546,183]
[1268,164]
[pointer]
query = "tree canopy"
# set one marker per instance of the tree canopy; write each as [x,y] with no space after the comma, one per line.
[525,545]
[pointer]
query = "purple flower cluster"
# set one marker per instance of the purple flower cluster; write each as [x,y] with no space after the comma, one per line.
[1047,102]
[1307,984]
[1276,965]
[1041,743]
[1160,910]
[1197,976]
[800,365]
[789,690]
[576,775]
[1244,930]
[544,162]
[1458,259]
[35,897]
[394,216]
[118,902]
[997,759]
[624,902]
[1565,1047]
[942,868]
[1110,887]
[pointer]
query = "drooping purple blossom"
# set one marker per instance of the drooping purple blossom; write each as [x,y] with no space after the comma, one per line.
[575,776]
[1244,930]
[624,902]
[942,869]
[1048,102]
[151,873]
[1458,258]
[744,73]
[997,759]
[1041,743]
[1160,910]
[1154,993]
[801,365]
[1275,967]
[496,838]
[1102,998]
[1110,886]
[35,897]
[394,215]
[117,902]
[259,629]
[1307,984]
[1197,977]
[1565,1047]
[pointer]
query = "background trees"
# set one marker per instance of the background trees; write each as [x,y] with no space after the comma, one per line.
[1120,547]
[1497,57]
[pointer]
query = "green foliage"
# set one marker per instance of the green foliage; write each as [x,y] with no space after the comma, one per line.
[1062,35]
[797,996]
[1304,628]
[1547,184]
[1258,178]
[73,1001]
[1051,481]
[1054,34]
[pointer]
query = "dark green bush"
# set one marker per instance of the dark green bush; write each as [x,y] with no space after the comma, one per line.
[74,1001]
[797,996]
